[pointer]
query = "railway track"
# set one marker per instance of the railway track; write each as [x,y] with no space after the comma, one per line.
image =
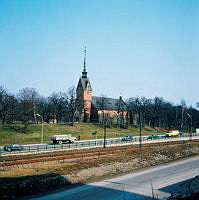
[78,154]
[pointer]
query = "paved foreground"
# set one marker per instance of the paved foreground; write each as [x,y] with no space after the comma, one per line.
[145,184]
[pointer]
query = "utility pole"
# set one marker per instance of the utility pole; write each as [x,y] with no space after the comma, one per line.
[182,118]
[190,125]
[140,120]
[104,131]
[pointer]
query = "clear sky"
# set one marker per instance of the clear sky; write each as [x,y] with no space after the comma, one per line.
[134,47]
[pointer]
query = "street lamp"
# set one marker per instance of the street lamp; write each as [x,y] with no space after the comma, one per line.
[42,128]
[191,124]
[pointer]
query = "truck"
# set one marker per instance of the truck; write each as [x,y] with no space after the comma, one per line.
[60,139]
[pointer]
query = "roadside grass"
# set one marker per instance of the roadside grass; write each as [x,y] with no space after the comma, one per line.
[14,133]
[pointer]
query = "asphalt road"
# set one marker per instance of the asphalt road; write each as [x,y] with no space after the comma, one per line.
[145,184]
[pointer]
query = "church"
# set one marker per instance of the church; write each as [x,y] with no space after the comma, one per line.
[95,109]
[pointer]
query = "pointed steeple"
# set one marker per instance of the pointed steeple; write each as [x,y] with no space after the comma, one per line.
[84,73]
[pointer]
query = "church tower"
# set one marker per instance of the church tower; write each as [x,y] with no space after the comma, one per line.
[84,94]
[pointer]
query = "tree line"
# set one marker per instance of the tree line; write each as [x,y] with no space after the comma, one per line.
[159,113]
[61,106]
[27,103]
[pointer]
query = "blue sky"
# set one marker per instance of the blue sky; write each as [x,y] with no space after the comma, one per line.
[134,47]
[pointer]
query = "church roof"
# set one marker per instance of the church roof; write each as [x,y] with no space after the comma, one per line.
[84,80]
[85,83]
[104,103]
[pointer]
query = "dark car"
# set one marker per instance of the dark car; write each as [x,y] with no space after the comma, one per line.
[181,133]
[13,147]
[127,138]
[153,136]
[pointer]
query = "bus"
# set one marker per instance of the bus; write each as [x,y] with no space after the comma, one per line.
[172,133]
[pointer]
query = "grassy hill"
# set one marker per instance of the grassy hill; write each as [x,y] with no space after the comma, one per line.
[14,133]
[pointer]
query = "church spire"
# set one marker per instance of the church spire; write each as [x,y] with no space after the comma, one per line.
[84,73]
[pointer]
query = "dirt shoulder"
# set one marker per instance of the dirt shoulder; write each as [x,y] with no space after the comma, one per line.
[47,175]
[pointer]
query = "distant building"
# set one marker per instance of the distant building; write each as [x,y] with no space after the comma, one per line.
[93,109]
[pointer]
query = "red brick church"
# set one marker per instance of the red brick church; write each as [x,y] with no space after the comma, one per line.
[92,108]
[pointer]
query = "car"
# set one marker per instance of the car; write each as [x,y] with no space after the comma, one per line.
[13,147]
[181,133]
[153,136]
[127,138]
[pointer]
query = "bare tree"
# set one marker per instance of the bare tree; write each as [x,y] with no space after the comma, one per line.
[3,100]
[8,105]
[71,104]
[101,105]
[27,99]
[197,105]
[183,104]
[57,106]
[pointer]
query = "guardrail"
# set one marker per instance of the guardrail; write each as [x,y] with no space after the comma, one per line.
[44,147]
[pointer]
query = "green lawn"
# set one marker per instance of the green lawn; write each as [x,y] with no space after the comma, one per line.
[14,133]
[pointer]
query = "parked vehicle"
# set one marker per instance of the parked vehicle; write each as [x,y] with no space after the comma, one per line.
[59,139]
[153,136]
[13,147]
[127,138]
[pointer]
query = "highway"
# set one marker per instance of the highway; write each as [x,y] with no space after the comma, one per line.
[94,143]
[144,184]
[77,144]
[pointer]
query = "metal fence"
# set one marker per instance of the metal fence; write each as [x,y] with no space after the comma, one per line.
[97,143]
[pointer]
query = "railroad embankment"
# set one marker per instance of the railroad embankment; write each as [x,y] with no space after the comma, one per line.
[42,173]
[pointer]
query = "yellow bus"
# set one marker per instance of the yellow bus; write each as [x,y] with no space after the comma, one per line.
[172,133]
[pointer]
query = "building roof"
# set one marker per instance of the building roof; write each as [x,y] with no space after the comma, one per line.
[85,83]
[84,80]
[104,103]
